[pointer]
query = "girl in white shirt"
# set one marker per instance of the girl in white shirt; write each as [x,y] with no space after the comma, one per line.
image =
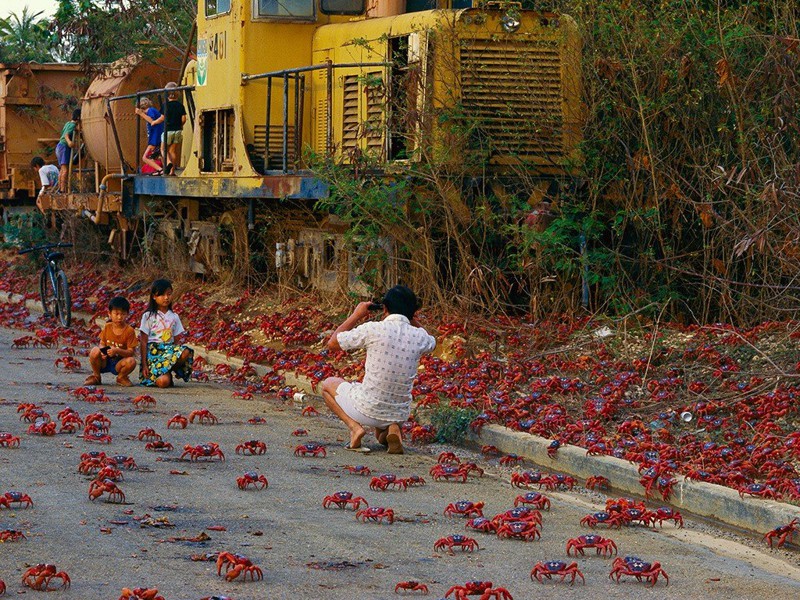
[160,336]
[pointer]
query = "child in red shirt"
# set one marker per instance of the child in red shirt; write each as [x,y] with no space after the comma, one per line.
[118,344]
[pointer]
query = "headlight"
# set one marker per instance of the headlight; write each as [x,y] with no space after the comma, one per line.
[510,24]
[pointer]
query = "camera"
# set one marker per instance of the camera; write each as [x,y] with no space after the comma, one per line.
[375,306]
[104,350]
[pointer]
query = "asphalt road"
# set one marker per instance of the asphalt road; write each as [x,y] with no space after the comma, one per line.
[304,550]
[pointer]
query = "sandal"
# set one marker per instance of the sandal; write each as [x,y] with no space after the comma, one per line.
[92,380]
[124,381]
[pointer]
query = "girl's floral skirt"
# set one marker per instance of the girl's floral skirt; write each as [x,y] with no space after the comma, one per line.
[161,359]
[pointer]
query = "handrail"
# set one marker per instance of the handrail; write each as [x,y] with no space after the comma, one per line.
[298,75]
[294,71]
[180,88]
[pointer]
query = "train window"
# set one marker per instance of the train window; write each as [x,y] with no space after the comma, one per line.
[342,7]
[285,9]
[217,7]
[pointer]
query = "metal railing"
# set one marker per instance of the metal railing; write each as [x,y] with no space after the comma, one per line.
[164,93]
[297,74]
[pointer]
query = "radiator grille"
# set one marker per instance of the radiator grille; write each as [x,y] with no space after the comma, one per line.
[374,125]
[322,126]
[514,92]
[350,118]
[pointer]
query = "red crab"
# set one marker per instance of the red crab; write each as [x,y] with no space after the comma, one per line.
[558,480]
[456,541]
[343,500]
[97,437]
[522,513]
[257,421]
[464,508]
[536,499]
[140,594]
[42,428]
[511,459]
[122,461]
[482,524]
[12,535]
[203,416]
[144,401]
[487,450]
[300,432]
[18,498]
[208,450]
[598,482]
[376,514]
[362,470]
[471,467]
[783,533]
[603,545]
[414,481]
[2,587]
[525,478]
[411,586]
[448,472]
[422,434]
[312,448]
[178,421]
[382,482]
[666,514]
[483,589]
[68,363]
[158,446]
[448,458]
[22,342]
[760,490]
[603,518]
[547,569]
[8,440]
[521,530]
[40,576]
[252,447]
[635,567]
[252,478]
[99,487]
[309,411]
[148,434]
[235,565]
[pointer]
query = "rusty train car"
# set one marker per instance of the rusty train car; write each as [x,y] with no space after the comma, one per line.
[35,102]
[275,82]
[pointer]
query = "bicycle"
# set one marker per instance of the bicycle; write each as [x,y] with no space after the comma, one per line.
[53,284]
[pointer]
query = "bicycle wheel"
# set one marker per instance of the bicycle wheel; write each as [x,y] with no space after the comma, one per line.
[46,293]
[63,300]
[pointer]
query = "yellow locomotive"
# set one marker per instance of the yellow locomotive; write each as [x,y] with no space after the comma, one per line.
[276,81]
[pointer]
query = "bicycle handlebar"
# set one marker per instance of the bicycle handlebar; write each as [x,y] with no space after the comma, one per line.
[44,247]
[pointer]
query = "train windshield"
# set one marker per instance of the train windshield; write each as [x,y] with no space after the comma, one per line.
[289,9]
[342,7]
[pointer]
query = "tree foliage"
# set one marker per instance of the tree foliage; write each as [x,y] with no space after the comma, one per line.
[95,31]
[25,37]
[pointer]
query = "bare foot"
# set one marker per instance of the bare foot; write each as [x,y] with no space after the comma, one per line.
[356,435]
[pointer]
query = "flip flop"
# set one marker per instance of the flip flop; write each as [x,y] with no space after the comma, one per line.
[92,380]
[361,449]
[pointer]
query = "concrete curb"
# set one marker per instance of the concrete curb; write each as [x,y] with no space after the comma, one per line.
[703,499]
